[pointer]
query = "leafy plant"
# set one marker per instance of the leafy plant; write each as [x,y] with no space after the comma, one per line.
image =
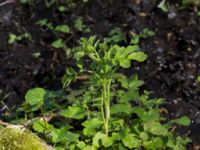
[108,107]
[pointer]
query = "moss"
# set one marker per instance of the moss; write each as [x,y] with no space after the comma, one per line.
[19,139]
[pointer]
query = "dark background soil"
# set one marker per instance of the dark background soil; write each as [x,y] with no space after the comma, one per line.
[170,71]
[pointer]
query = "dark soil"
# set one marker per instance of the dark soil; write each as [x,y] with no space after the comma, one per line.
[170,71]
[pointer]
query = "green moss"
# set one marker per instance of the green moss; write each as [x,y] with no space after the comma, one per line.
[19,139]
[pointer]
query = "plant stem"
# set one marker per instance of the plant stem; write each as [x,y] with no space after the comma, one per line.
[105,105]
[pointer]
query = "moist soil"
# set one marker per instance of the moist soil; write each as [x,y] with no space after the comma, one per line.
[170,72]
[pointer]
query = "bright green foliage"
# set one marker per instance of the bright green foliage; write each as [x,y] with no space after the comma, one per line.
[41,126]
[103,105]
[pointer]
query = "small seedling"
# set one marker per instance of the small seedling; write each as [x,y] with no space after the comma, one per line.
[80,26]
[13,38]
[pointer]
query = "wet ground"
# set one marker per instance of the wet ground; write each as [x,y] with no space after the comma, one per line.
[170,72]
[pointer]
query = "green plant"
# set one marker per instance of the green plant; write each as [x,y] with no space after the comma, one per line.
[16,38]
[109,106]
[80,26]
[63,33]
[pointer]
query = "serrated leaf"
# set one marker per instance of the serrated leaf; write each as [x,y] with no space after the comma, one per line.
[74,112]
[59,135]
[41,126]
[63,28]
[91,126]
[184,121]
[137,56]
[35,97]
[121,108]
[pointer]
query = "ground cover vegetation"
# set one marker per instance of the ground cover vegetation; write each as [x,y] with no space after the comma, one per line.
[97,105]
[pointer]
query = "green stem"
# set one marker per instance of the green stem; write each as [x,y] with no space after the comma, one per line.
[105,105]
[102,108]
